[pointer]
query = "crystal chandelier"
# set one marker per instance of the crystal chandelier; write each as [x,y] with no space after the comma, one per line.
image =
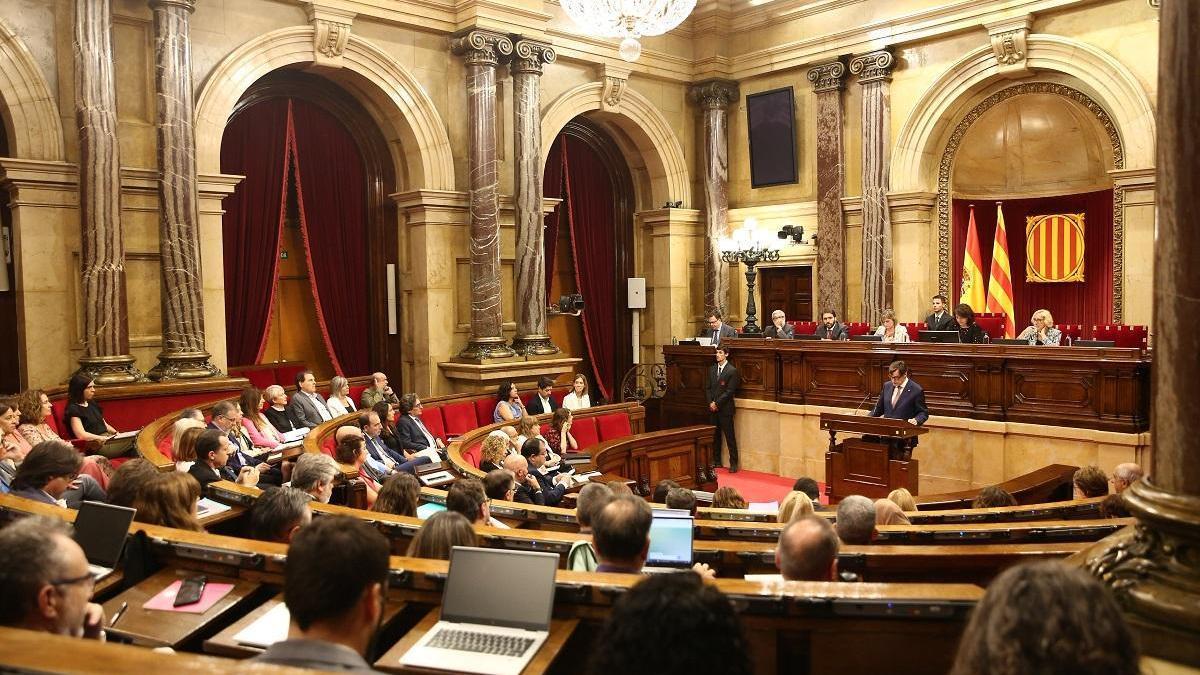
[628,19]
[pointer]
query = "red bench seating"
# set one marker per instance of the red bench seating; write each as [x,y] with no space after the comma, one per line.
[613,425]
[472,454]
[459,418]
[1073,331]
[993,325]
[484,407]
[804,327]
[1133,337]
[914,330]
[857,328]
[585,432]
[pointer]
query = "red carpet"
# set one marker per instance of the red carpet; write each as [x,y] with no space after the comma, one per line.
[756,486]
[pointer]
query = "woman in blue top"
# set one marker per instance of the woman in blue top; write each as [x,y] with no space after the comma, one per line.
[1041,330]
[508,404]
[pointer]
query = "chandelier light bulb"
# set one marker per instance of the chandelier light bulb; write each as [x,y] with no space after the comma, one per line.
[627,19]
[630,49]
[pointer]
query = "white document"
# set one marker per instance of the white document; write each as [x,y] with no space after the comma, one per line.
[763,507]
[270,628]
[207,507]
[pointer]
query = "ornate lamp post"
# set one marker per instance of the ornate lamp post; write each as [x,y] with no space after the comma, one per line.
[750,247]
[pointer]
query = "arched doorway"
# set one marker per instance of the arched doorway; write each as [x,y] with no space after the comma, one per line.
[326,293]
[589,249]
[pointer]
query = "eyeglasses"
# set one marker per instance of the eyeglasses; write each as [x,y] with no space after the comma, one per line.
[88,578]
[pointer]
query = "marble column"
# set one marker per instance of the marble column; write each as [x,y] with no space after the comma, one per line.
[828,79]
[1154,572]
[874,73]
[714,98]
[483,51]
[106,356]
[526,66]
[183,355]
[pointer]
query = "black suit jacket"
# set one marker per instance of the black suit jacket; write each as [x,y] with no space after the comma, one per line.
[785,333]
[720,390]
[946,323]
[837,332]
[535,406]
[910,406]
[551,494]
[527,495]
[726,332]
[282,420]
[409,433]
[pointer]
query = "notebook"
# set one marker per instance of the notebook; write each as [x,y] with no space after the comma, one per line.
[267,629]
[100,531]
[489,627]
[671,533]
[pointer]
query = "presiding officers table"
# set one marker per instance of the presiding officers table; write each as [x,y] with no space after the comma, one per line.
[1101,388]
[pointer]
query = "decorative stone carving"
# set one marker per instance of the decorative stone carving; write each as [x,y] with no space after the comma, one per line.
[946,167]
[526,66]
[331,32]
[828,79]
[873,67]
[614,79]
[102,256]
[482,50]
[714,96]
[1008,43]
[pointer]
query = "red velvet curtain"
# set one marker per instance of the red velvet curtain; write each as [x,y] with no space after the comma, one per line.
[254,146]
[331,190]
[552,186]
[1088,303]
[590,214]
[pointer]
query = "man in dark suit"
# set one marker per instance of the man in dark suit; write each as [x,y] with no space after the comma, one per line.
[552,489]
[413,434]
[541,403]
[902,399]
[779,329]
[227,418]
[717,330]
[719,388]
[831,328]
[941,318]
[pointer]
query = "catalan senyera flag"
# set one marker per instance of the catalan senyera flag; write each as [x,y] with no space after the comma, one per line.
[1000,292]
[1054,248]
[973,292]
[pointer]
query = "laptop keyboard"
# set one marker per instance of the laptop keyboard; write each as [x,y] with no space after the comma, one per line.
[482,643]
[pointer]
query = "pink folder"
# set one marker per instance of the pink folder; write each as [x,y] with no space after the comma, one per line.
[166,598]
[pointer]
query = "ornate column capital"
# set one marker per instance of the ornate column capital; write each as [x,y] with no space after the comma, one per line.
[873,67]
[189,5]
[614,79]
[331,32]
[827,76]
[1008,43]
[529,56]
[481,47]
[711,94]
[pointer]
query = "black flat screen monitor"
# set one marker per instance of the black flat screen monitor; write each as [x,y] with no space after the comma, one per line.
[939,336]
[770,117]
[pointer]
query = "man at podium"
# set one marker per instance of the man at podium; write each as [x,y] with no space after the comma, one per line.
[901,399]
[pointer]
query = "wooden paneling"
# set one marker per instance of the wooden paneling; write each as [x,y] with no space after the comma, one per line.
[789,289]
[1094,388]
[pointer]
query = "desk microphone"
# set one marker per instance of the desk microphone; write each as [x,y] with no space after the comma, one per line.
[860,403]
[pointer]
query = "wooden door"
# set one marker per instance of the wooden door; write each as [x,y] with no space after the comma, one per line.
[789,289]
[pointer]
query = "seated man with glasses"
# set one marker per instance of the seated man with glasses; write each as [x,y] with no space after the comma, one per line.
[414,436]
[45,582]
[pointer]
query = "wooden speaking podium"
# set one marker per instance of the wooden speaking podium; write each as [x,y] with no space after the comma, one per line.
[873,465]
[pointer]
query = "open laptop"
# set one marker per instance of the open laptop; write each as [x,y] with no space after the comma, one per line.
[671,533]
[100,531]
[487,626]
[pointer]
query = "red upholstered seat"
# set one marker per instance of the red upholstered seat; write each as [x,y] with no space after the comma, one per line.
[526,398]
[914,330]
[356,391]
[164,446]
[459,418]
[434,422]
[992,325]
[613,425]
[1069,330]
[804,327]
[328,445]
[484,407]
[857,328]
[1122,335]
[260,378]
[471,454]
[285,373]
[544,429]
[585,432]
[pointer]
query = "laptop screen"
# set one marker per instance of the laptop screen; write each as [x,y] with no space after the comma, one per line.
[100,531]
[670,538]
[495,587]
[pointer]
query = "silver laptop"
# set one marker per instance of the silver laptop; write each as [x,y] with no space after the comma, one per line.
[489,627]
[671,534]
[100,530]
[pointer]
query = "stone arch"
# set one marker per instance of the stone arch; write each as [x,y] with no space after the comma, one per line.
[31,122]
[918,150]
[646,130]
[406,115]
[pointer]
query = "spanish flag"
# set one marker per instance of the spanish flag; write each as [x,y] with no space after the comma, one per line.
[972,274]
[999,296]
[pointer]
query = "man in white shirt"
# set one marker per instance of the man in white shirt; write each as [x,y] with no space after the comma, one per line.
[307,406]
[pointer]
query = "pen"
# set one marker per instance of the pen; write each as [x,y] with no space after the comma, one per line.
[116,616]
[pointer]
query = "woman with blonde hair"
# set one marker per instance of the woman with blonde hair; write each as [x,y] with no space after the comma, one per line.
[339,401]
[183,444]
[887,513]
[795,506]
[1041,330]
[277,414]
[527,428]
[493,451]
[443,531]
[891,331]
[728,498]
[169,499]
[903,498]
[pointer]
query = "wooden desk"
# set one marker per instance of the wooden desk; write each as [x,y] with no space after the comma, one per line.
[213,519]
[172,629]
[224,644]
[560,631]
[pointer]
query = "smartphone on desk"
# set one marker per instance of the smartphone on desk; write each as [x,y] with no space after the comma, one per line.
[191,590]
